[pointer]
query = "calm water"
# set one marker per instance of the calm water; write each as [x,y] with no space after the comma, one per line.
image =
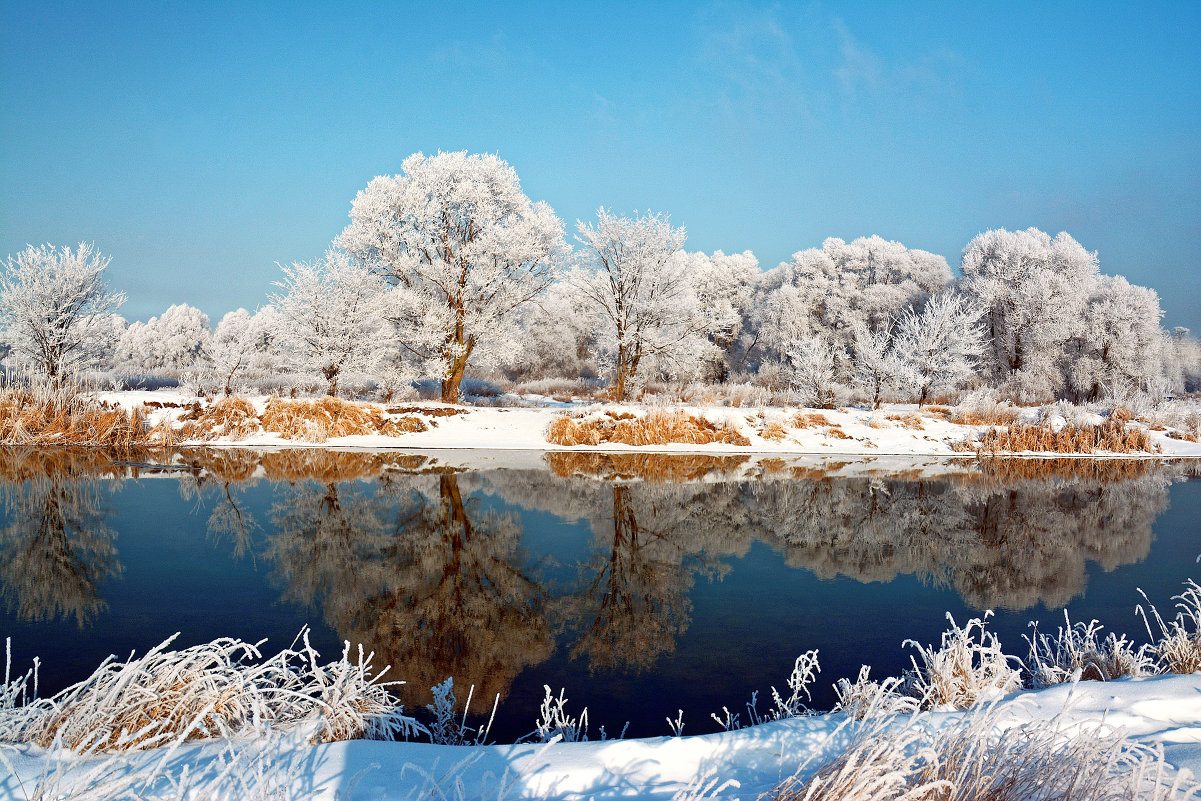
[640,584]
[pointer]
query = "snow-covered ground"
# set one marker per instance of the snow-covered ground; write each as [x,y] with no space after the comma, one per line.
[891,430]
[1164,710]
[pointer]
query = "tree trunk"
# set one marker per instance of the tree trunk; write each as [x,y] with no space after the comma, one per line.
[459,351]
[331,375]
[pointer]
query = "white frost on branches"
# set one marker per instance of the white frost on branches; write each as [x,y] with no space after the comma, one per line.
[635,292]
[464,247]
[330,318]
[172,343]
[939,346]
[56,307]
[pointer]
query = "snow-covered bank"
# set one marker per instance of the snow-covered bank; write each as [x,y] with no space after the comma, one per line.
[1164,711]
[892,430]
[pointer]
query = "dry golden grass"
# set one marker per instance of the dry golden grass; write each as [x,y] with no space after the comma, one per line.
[1112,435]
[774,431]
[810,420]
[318,420]
[656,428]
[306,420]
[1186,436]
[428,411]
[907,420]
[835,432]
[989,417]
[65,417]
[656,467]
[228,417]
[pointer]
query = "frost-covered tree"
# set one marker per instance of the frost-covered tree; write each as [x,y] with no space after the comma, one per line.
[724,285]
[330,317]
[875,367]
[940,345]
[174,342]
[813,372]
[464,246]
[1119,346]
[634,291]
[241,345]
[1032,290]
[828,292]
[55,307]
[556,341]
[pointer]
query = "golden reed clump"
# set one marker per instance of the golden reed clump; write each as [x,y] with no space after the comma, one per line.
[62,416]
[305,420]
[1112,435]
[656,428]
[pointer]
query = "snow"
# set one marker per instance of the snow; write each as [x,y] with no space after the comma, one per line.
[1162,710]
[864,433]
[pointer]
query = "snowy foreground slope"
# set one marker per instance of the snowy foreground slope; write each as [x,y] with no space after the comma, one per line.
[1164,711]
[895,429]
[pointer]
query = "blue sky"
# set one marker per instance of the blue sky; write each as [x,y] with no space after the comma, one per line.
[198,144]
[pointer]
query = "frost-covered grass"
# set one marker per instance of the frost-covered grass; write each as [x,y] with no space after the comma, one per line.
[1079,651]
[966,667]
[1178,647]
[215,690]
[943,732]
[894,756]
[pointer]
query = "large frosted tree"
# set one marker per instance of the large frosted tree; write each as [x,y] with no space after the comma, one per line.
[56,307]
[1033,289]
[831,291]
[634,290]
[464,247]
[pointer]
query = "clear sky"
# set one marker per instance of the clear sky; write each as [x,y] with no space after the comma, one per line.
[200,143]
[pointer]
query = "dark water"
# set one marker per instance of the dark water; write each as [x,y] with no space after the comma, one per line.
[640,584]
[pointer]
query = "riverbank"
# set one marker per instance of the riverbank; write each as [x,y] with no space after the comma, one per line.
[1160,712]
[893,430]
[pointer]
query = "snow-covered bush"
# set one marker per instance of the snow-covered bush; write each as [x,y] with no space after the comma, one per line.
[939,346]
[173,343]
[814,376]
[830,291]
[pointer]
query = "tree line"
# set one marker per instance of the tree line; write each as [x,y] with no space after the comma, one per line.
[449,268]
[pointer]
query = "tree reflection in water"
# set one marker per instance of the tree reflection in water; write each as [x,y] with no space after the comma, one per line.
[419,574]
[428,569]
[56,549]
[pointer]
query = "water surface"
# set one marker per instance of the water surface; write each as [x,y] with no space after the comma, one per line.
[642,584]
